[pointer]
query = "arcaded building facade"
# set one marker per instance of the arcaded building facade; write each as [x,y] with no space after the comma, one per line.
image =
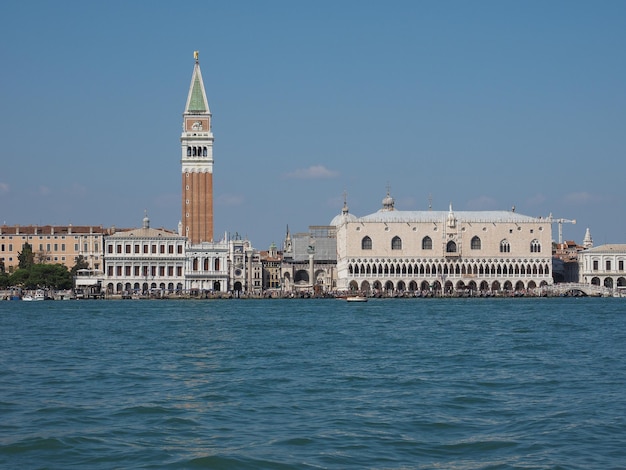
[393,251]
[144,260]
[604,265]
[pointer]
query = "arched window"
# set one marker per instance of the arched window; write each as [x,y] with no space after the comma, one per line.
[366,243]
[505,247]
[189,151]
[451,247]
[476,245]
[396,243]
[535,246]
[204,151]
[216,264]
[427,243]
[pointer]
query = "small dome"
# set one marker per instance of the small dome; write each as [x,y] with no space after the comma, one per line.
[388,203]
[339,219]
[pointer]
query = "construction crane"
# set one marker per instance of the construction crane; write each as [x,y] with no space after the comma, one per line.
[561,222]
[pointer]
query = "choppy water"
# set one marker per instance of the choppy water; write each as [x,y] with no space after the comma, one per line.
[279,384]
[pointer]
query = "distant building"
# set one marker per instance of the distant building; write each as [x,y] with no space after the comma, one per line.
[244,266]
[603,265]
[565,267]
[310,260]
[271,261]
[197,162]
[52,244]
[206,267]
[393,251]
[144,261]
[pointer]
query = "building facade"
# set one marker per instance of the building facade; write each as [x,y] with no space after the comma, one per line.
[144,261]
[310,261]
[604,266]
[206,267]
[52,244]
[393,251]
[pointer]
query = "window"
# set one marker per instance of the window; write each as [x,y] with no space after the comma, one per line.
[427,243]
[621,265]
[154,248]
[535,246]
[217,264]
[127,270]
[119,248]
[170,249]
[118,271]
[366,243]
[608,264]
[110,249]
[180,249]
[595,264]
[396,243]
[162,249]
[505,247]
[475,244]
[136,248]
[145,249]
[451,247]
[127,248]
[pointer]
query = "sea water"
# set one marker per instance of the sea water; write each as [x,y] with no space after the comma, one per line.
[288,384]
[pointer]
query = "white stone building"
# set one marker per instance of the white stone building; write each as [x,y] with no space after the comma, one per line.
[603,265]
[143,261]
[393,251]
[206,267]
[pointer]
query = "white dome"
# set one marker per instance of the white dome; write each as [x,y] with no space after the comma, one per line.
[341,218]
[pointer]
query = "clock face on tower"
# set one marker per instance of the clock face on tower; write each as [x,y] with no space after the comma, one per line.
[196,124]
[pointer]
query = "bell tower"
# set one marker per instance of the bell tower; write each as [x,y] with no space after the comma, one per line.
[197,163]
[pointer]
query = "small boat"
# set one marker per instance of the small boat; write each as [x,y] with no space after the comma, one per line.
[39,295]
[356,298]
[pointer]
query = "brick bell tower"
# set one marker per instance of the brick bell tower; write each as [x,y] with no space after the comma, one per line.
[197,162]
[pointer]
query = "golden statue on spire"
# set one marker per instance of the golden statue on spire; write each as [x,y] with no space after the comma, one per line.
[195,55]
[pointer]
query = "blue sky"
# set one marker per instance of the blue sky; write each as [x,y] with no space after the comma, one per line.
[486,104]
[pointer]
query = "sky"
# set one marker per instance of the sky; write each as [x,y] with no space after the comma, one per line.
[485,105]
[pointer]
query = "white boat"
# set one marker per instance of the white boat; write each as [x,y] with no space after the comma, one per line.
[356,298]
[39,295]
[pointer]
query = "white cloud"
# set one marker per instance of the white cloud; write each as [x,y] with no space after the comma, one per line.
[312,172]
[4,188]
[230,200]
